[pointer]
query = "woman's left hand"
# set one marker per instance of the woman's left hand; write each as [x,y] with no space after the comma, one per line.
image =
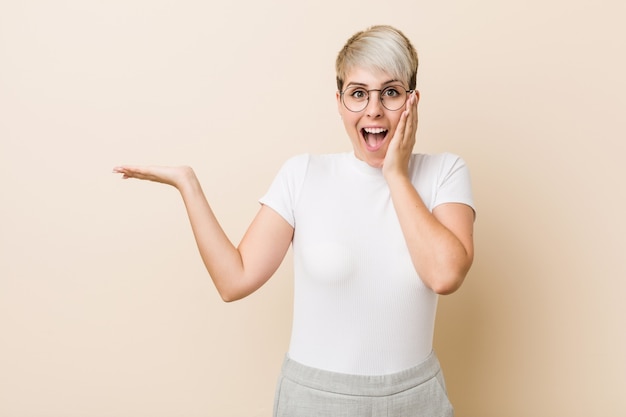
[401,145]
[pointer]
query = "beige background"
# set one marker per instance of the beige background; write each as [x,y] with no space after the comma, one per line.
[105,309]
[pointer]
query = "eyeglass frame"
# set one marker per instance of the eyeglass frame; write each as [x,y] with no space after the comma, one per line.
[380,97]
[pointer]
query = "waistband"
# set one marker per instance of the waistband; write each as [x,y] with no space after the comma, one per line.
[370,385]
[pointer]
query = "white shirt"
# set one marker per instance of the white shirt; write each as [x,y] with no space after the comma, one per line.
[359,305]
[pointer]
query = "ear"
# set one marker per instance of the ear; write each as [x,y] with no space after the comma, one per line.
[338,97]
[417,96]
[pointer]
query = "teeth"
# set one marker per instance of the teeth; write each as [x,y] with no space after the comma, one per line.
[375,130]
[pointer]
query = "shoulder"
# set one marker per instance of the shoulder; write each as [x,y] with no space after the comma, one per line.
[436,164]
[437,159]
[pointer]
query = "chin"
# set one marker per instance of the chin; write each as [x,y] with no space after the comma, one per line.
[373,159]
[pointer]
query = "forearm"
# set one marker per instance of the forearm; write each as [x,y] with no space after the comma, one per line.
[235,271]
[221,258]
[439,256]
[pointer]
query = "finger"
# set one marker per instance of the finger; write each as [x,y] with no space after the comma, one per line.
[120,170]
[415,113]
[406,125]
[401,128]
[411,123]
[130,172]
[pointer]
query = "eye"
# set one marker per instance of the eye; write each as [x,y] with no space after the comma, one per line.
[358,94]
[391,92]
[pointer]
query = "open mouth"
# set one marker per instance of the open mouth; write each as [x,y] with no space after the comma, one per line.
[374,137]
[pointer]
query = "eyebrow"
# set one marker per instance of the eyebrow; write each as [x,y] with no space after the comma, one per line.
[358,84]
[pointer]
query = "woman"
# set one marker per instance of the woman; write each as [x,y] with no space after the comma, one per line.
[377,234]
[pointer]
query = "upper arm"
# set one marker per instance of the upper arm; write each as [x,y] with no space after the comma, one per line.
[264,247]
[459,219]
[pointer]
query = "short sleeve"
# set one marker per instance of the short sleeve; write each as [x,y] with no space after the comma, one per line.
[454,183]
[284,191]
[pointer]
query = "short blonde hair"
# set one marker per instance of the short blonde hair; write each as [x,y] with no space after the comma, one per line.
[381,48]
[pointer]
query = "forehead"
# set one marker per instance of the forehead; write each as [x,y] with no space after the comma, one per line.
[369,77]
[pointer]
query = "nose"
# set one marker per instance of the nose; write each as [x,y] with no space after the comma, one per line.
[374,105]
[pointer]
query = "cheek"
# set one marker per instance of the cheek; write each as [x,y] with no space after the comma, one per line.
[395,120]
[349,121]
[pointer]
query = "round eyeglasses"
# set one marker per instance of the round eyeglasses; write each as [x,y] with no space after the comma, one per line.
[392,98]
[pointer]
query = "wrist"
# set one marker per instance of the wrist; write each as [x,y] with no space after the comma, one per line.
[186,179]
[398,182]
[396,175]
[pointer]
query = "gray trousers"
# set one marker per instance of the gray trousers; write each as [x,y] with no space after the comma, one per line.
[308,392]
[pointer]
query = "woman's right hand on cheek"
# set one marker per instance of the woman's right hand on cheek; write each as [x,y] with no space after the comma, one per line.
[174,176]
